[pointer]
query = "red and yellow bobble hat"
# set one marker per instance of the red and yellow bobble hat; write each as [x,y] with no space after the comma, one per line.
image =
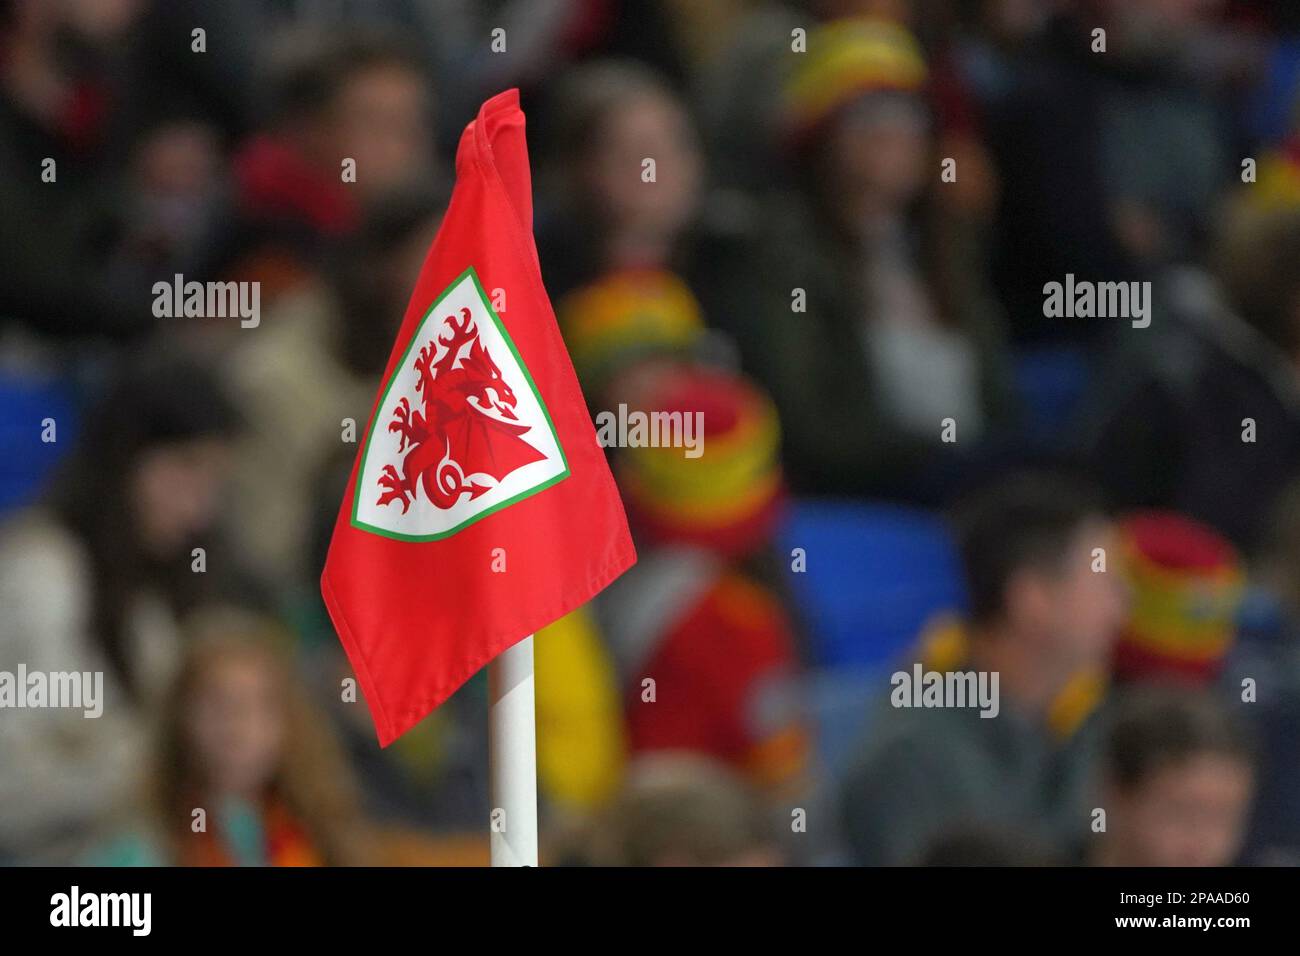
[1186,583]
[624,317]
[729,498]
[847,59]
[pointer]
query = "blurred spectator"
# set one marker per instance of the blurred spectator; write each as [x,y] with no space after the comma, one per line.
[1275,566]
[1178,782]
[606,215]
[1270,665]
[218,87]
[246,774]
[581,734]
[354,98]
[93,579]
[1040,616]
[1203,415]
[313,365]
[681,810]
[739,92]
[223,84]
[1110,160]
[696,616]
[60,149]
[174,194]
[868,333]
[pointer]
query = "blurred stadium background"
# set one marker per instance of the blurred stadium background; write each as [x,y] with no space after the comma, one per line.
[801,272]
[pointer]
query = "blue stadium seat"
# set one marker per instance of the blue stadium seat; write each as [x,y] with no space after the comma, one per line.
[1270,105]
[25,461]
[1050,382]
[875,574]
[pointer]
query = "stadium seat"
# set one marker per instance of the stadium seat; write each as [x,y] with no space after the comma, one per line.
[875,574]
[25,460]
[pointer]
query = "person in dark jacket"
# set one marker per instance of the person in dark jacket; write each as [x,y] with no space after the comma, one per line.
[856,301]
[1203,414]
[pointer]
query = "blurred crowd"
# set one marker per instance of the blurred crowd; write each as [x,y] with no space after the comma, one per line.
[839,256]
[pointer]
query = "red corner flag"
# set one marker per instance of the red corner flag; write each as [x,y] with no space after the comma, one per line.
[480,508]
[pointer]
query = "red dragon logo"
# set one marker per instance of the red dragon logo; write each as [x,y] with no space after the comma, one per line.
[466,437]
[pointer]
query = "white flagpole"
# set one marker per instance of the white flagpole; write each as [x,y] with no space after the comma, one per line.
[512,756]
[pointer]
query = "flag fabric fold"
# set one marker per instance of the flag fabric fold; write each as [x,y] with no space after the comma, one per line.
[480,507]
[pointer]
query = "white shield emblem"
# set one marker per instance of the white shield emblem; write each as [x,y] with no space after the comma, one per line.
[461,430]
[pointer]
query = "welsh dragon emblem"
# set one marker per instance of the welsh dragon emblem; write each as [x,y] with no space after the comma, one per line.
[465,437]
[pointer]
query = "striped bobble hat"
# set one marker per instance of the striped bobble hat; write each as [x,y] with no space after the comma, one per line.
[626,316]
[728,498]
[847,59]
[1186,583]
